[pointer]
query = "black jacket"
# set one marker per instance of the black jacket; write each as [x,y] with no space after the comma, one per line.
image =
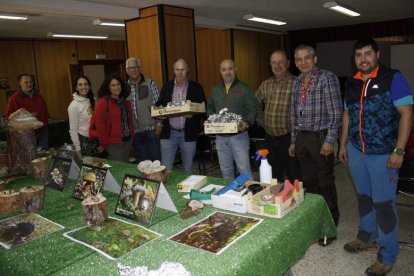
[193,126]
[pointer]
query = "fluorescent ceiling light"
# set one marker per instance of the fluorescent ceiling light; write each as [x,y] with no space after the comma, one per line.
[340,8]
[13,16]
[251,17]
[108,23]
[77,36]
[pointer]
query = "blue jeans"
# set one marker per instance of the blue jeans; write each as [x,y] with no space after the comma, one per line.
[146,146]
[169,149]
[234,148]
[376,187]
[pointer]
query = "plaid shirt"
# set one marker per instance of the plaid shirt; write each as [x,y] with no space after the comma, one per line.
[322,108]
[179,95]
[155,94]
[273,112]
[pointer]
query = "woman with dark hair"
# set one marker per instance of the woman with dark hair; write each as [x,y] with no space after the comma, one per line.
[113,116]
[80,112]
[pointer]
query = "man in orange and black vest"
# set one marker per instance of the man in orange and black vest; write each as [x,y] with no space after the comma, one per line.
[377,122]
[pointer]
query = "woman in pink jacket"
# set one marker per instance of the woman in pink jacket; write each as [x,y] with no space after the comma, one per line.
[113,118]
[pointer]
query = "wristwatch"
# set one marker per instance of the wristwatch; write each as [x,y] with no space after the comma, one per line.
[399,151]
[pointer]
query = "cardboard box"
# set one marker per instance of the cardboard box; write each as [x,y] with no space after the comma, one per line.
[231,201]
[220,128]
[195,182]
[278,209]
[188,108]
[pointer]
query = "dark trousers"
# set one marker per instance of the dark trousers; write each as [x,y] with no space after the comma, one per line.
[42,139]
[146,146]
[283,166]
[119,152]
[317,170]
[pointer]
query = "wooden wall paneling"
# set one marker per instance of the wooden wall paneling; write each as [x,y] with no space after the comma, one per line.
[247,57]
[180,43]
[88,49]
[52,63]
[143,42]
[268,44]
[16,57]
[179,11]
[149,11]
[113,49]
[212,47]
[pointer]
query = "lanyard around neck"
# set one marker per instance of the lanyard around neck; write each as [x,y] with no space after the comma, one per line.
[305,92]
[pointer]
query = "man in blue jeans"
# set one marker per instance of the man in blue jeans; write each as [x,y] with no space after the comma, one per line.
[377,121]
[144,94]
[180,131]
[238,98]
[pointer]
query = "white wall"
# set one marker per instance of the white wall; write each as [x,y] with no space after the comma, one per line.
[338,56]
[402,58]
[96,74]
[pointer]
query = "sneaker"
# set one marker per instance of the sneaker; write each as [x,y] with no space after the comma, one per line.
[358,246]
[378,269]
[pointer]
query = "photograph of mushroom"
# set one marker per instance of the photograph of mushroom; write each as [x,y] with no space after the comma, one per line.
[217,232]
[112,238]
[58,173]
[90,182]
[64,153]
[137,198]
[25,228]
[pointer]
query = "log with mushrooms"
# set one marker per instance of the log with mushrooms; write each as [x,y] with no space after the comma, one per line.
[23,120]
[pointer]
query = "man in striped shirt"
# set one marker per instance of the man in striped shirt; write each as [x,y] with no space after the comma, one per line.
[273,114]
[316,111]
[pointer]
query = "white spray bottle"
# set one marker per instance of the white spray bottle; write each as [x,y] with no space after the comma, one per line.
[265,168]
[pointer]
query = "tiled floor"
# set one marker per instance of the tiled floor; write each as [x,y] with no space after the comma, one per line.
[333,260]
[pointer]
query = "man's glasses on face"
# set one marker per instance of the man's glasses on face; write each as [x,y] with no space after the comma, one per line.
[133,68]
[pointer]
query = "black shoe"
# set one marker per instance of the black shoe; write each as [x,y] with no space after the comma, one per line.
[326,242]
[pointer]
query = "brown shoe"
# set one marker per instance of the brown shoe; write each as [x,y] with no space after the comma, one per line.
[358,246]
[378,269]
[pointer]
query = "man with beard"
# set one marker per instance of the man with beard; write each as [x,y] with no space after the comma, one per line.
[377,122]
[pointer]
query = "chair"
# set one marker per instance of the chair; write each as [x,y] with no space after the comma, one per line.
[406,176]
[405,184]
[257,141]
[206,152]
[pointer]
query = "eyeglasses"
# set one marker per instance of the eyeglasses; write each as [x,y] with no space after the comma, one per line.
[133,68]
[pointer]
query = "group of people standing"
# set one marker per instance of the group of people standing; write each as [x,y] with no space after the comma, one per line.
[120,122]
[301,116]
